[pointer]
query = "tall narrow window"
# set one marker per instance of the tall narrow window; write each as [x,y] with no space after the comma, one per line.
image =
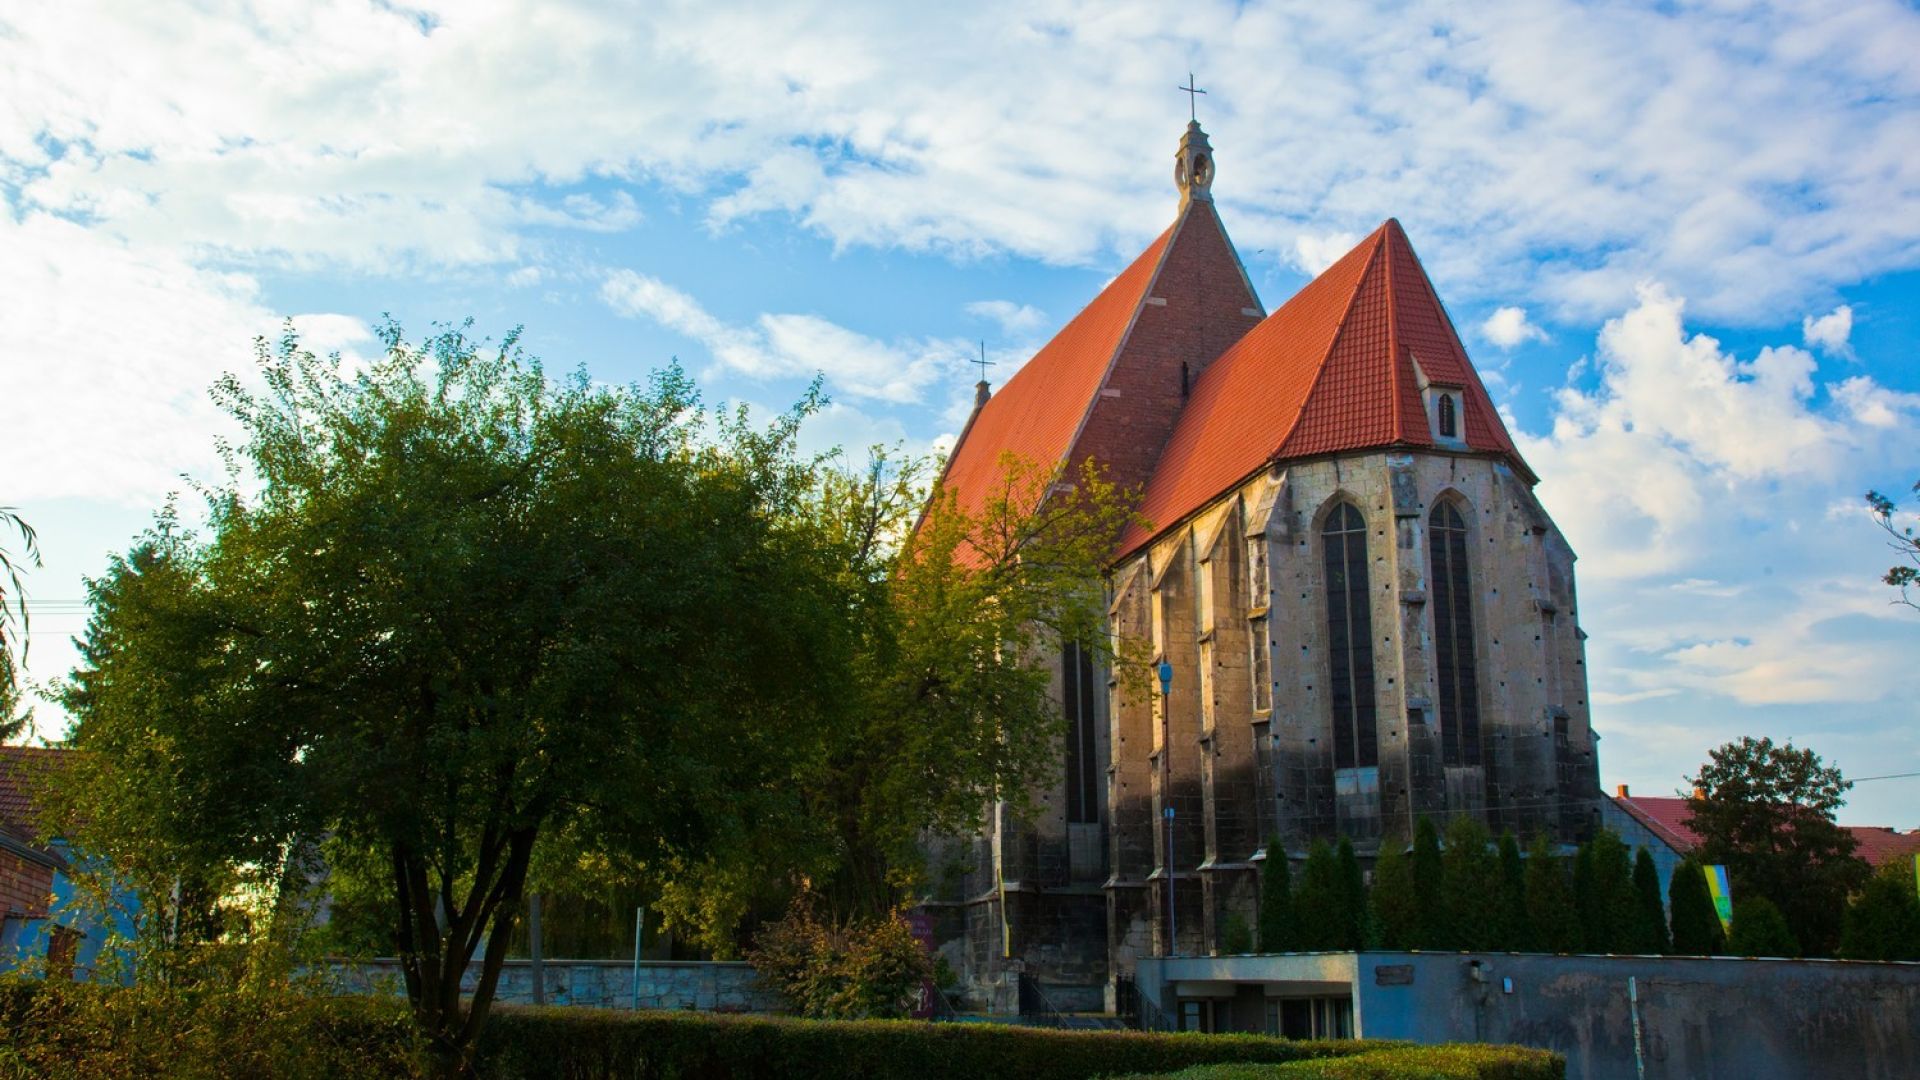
[1449,426]
[1262,666]
[1350,638]
[1459,702]
[1077,697]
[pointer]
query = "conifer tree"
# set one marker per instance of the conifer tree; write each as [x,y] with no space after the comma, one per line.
[1429,883]
[1353,898]
[1614,903]
[1760,930]
[1550,907]
[1515,928]
[1276,899]
[1394,903]
[1650,923]
[1470,877]
[1320,923]
[1586,903]
[1883,922]
[1696,928]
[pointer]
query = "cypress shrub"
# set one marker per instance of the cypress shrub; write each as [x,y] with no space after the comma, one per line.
[1883,922]
[1394,904]
[1515,929]
[1550,906]
[1651,915]
[1696,928]
[1317,906]
[1353,898]
[1603,891]
[1760,930]
[1470,874]
[1429,881]
[1276,899]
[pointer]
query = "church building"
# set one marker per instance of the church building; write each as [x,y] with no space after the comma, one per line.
[1360,612]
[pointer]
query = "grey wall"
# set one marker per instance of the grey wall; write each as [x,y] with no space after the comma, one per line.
[607,984]
[1715,1018]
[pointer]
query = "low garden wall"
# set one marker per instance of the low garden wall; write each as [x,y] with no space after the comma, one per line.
[701,986]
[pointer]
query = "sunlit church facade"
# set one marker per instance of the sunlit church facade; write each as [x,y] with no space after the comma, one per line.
[1365,614]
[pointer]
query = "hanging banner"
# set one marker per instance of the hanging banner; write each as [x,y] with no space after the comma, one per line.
[1722,894]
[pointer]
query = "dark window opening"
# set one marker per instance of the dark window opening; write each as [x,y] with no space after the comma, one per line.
[1183,380]
[1449,427]
[1350,639]
[1459,703]
[1077,697]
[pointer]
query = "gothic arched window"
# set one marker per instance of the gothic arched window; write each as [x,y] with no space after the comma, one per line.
[1453,638]
[1081,706]
[1449,425]
[1350,638]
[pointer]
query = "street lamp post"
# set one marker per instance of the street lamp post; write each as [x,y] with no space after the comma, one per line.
[1166,789]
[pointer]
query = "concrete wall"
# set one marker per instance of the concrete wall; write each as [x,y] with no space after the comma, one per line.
[1716,1018]
[605,984]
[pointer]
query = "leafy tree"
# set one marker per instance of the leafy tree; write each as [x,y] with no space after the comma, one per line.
[1905,573]
[1767,813]
[1429,884]
[1650,923]
[1353,898]
[1276,899]
[1696,926]
[1759,929]
[1513,925]
[1319,905]
[1396,906]
[1550,906]
[15,621]
[452,609]
[1883,922]
[1470,874]
[1236,937]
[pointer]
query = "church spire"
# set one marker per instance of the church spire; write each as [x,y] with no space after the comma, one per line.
[1193,166]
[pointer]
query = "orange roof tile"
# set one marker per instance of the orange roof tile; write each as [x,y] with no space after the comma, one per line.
[1332,370]
[1037,412]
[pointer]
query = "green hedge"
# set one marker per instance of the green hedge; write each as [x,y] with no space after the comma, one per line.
[66,1032]
[588,1044]
[1456,1062]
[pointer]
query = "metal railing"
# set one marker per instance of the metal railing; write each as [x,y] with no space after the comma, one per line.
[1035,1006]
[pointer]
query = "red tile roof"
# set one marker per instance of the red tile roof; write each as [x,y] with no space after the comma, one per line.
[1332,370]
[22,769]
[1037,413]
[1667,817]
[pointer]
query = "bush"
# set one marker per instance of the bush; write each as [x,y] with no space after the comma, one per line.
[82,1032]
[589,1044]
[1759,929]
[865,969]
[1454,1062]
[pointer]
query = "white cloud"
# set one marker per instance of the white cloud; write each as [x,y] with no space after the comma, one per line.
[1829,332]
[785,344]
[1874,405]
[1013,319]
[1314,253]
[1508,327]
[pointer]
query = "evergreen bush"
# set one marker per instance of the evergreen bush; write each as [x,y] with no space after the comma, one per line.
[1395,906]
[1452,1062]
[1696,926]
[1515,929]
[1317,907]
[1276,899]
[1429,879]
[1470,875]
[1759,929]
[1353,898]
[1550,904]
[1650,915]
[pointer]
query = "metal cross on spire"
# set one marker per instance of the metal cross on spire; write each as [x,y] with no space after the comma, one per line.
[1193,98]
[983,361]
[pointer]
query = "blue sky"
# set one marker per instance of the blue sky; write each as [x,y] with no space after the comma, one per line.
[1681,241]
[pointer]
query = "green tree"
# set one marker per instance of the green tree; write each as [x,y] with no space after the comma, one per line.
[1353,897]
[1594,936]
[1276,899]
[1760,929]
[1905,573]
[1883,922]
[1696,927]
[1396,906]
[1513,926]
[1611,907]
[1470,874]
[1650,922]
[1319,905]
[1766,812]
[1429,884]
[443,611]
[1550,906]
[15,620]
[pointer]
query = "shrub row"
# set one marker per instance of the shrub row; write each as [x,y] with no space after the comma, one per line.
[587,1044]
[1396,1063]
